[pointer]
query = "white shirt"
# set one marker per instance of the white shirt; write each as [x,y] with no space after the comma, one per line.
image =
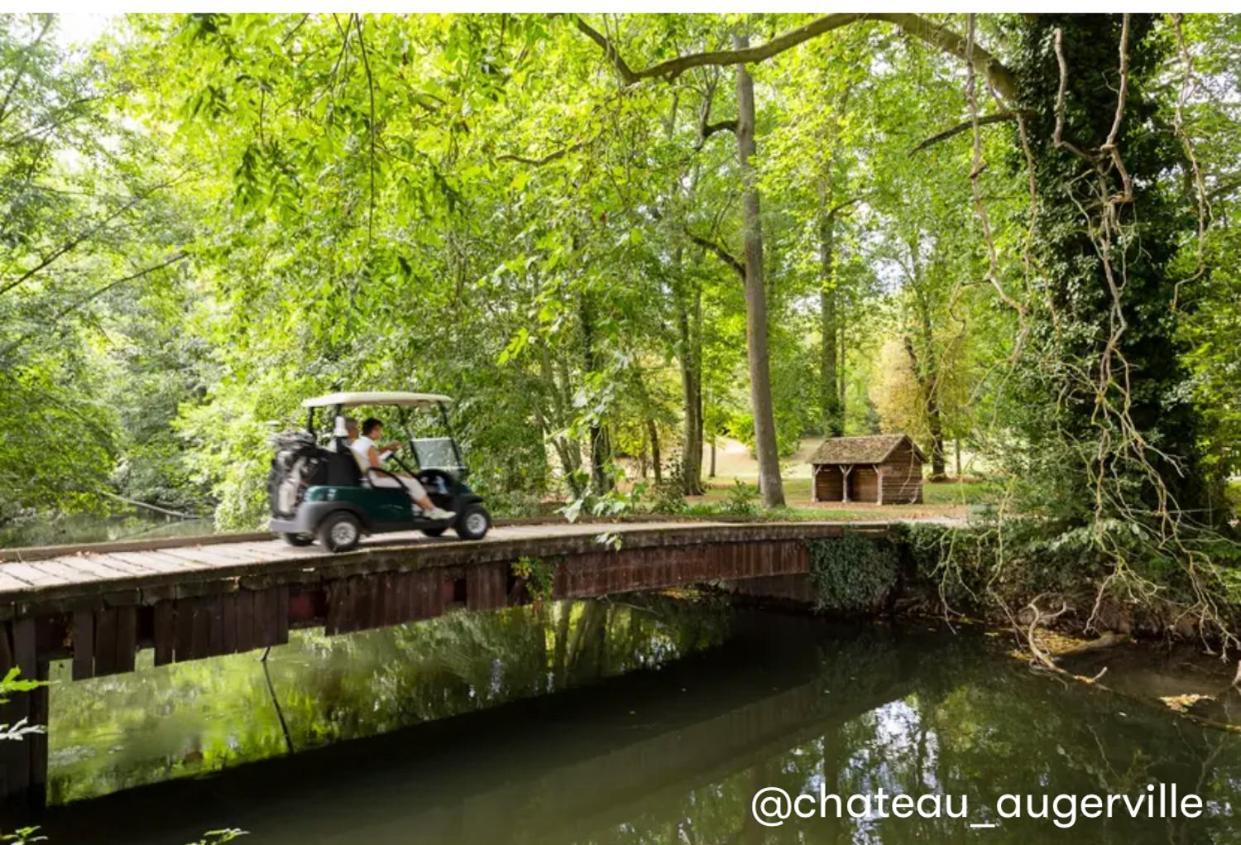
[361,449]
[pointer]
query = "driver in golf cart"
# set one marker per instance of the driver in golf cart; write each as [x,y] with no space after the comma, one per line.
[367,451]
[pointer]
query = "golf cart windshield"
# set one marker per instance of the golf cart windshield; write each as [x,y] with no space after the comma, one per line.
[436,453]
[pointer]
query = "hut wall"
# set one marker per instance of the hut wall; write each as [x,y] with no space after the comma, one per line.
[828,484]
[902,476]
[864,484]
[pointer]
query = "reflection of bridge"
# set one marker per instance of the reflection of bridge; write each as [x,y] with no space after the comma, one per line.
[98,604]
[627,751]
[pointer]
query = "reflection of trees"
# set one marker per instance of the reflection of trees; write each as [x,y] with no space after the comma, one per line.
[789,702]
[116,732]
[978,726]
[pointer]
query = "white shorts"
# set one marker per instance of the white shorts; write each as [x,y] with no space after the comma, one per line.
[416,490]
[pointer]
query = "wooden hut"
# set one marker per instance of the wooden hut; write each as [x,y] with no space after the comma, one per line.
[884,468]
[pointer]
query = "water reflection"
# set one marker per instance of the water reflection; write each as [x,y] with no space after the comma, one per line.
[669,756]
[117,732]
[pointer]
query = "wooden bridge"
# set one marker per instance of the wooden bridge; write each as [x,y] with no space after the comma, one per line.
[97,605]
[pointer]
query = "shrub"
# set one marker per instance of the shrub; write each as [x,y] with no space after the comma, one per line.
[852,574]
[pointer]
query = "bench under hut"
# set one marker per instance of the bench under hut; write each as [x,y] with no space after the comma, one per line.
[884,469]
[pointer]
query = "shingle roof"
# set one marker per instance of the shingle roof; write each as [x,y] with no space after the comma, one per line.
[871,449]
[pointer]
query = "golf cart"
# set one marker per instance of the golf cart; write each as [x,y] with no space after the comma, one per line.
[319,492]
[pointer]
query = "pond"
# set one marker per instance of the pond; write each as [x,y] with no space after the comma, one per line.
[59,529]
[636,720]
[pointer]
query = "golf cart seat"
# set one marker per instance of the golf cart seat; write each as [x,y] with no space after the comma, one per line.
[341,468]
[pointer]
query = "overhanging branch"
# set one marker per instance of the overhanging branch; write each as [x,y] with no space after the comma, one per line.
[719,251]
[998,117]
[914,25]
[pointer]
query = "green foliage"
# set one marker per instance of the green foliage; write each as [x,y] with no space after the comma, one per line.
[539,577]
[742,499]
[852,573]
[13,683]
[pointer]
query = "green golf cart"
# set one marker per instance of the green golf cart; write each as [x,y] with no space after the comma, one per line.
[319,490]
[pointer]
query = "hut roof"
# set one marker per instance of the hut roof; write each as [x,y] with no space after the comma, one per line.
[870,449]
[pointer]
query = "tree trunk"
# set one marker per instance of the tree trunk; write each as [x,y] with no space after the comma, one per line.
[689,348]
[713,456]
[600,443]
[755,295]
[652,434]
[829,390]
[926,378]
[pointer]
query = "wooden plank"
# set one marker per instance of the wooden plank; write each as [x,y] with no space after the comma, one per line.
[93,564]
[200,637]
[31,574]
[162,561]
[245,621]
[228,623]
[215,627]
[70,573]
[184,629]
[10,584]
[19,648]
[282,614]
[105,641]
[381,605]
[83,644]
[49,552]
[365,599]
[265,616]
[165,633]
[331,616]
[36,744]
[12,755]
[195,558]
[131,564]
[126,637]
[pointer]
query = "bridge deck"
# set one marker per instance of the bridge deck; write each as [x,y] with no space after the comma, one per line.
[97,569]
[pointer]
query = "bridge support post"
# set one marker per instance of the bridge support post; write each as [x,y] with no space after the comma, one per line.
[23,762]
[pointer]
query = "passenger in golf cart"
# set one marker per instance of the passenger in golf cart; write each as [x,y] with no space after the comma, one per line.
[339,493]
[370,454]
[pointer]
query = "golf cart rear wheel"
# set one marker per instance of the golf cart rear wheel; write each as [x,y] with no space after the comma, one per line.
[340,532]
[472,523]
[298,539]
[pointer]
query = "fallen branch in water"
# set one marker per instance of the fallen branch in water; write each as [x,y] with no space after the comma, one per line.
[1045,659]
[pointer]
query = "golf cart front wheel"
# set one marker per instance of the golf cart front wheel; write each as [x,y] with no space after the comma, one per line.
[340,532]
[298,539]
[472,523]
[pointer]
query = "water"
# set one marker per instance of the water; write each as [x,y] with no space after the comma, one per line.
[58,529]
[633,721]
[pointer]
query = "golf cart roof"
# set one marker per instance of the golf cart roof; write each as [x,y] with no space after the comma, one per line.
[380,397]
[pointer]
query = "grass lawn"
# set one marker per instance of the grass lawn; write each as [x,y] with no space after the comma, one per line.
[941,499]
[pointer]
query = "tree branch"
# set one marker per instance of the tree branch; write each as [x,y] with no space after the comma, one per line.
[998,117]
[719,251]
[550,157]
[914,25]
[93,295]
[370,88]
[706,129]
[83,236]
[20,71]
